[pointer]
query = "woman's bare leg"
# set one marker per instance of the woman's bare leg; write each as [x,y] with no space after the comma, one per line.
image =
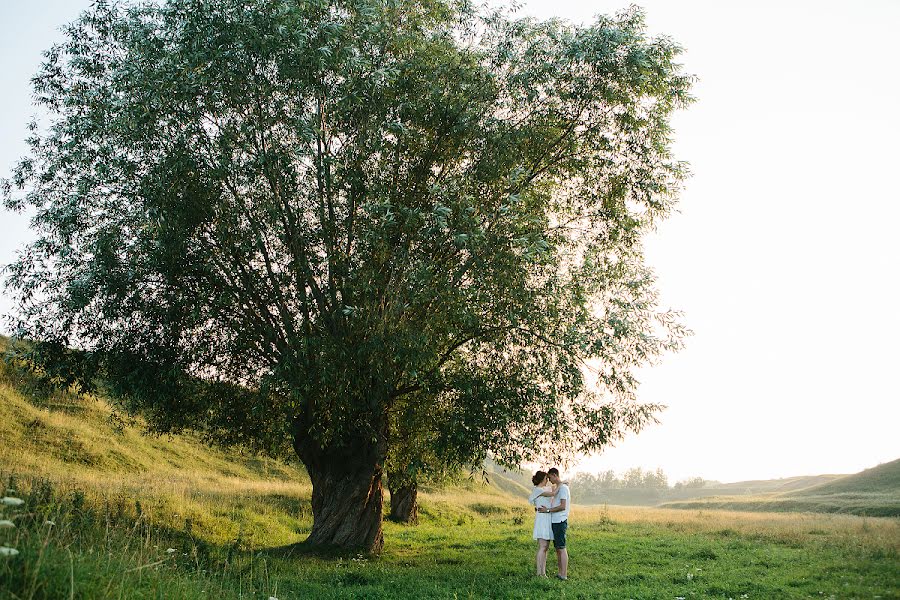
[543,547]
[546,544]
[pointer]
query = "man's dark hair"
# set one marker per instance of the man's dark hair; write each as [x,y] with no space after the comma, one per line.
[553,471]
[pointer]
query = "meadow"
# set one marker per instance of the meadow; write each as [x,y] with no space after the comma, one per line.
[110,512]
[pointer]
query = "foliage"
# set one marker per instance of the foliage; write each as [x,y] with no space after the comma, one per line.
[318,209]
[417,454]
[691,483]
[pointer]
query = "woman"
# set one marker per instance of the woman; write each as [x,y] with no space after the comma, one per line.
[543,533]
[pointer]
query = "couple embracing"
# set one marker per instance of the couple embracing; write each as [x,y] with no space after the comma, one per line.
[551,519]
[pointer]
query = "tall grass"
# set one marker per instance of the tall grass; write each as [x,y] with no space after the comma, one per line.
[473,542]
[74,544]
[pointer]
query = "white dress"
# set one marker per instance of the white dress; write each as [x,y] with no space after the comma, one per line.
[542,529]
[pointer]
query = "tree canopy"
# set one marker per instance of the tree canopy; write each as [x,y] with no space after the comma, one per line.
[264,218]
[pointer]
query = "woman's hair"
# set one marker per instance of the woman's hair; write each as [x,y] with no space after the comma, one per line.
[538,478]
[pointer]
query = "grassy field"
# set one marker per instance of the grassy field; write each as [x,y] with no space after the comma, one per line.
[111,513]
[470,545]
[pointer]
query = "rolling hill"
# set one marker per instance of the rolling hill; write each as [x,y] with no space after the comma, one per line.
[872,492]
[786,484]
[883,479]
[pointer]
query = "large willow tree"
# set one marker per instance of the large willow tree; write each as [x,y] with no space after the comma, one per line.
[311,218]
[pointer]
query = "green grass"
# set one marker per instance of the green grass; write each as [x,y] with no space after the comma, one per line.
[107,548]
[119,500]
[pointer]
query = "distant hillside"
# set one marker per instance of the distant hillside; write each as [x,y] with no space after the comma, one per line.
[885,478]
[786,484]
[873,492]
[508,484]
[516,483]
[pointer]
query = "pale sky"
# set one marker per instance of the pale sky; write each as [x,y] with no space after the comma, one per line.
[784,256]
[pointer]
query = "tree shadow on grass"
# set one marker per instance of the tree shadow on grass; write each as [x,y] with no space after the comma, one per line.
[305,549]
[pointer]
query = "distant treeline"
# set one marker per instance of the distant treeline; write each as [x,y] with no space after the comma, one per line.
[633,479]
[634,486]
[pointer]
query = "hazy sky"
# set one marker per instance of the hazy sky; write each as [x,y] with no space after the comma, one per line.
[784,256]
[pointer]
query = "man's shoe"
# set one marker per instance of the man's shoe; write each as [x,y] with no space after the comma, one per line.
[561,578]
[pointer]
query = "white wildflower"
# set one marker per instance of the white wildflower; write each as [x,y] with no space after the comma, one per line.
[745,595]
[6,524]
[272,598]
[10,501]
[7,551]
[690,576]
[49,523]
[171,550]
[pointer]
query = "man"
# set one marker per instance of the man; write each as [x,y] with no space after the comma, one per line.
[559,521]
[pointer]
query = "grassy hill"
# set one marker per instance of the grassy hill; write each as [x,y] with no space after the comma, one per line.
[785,484]
[873,492]
[112,513]
[80,442]
[883,479]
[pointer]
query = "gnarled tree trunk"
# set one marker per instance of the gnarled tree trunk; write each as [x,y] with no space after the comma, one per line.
[404,504]
[347,494]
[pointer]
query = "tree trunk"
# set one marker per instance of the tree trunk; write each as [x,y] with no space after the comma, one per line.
[347,506]
[347,495]
[404,505]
